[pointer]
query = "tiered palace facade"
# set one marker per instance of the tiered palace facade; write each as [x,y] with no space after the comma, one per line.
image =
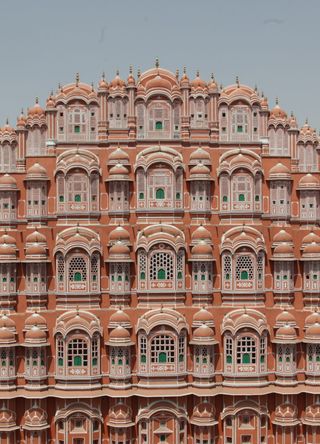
[159,267]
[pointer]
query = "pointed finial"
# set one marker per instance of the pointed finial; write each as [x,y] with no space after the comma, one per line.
[92,86]
[221,86]
[77,78]
[130,70]
[138,73]
[262,94]
[212,76]
[117,72]
[77,310]
[307,121]
[157,62]
[177,73]
[59,86]
[22,112]
[277,101]
[103,76]
[37,100]
[184,70]
[255,88]
[237,81]
[198,73]
[7,121]
[291,114]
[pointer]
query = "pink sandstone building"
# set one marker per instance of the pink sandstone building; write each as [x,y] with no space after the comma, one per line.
[159,267]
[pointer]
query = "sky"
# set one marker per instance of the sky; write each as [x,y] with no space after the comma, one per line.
[273,44]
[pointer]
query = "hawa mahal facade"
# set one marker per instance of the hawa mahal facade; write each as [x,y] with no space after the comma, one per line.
[159,267]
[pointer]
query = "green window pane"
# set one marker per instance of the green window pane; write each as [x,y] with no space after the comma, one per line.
[239,129]
[61,198]
[229,359]
[159,126]
[181,358]
[120,362]
[244,275]
[195,277]
[161,274]
[178,196]
[203,277]
[205,360]
[246,358]
[77,198]
[127,278]
[179,274]
[241,197]
[94,361]
[60,362]
[257,198]
[160,193]
[141,195]
[224,198]
[77,277]
[77,360]
[142,275]
[162,357]
[77,129]
[262,359]
[119,278]
[143,359]
[227,276]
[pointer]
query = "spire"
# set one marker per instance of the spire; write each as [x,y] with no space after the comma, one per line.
[184,70]
[237,82]
[138,73]
[198,73]
[117,72]
[103,76]
[157,63]
[277,101]
[177,73]
[130,70]
[92,86]
[77,78]
[37,100]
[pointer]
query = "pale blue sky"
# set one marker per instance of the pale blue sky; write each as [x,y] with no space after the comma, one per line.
[271,43]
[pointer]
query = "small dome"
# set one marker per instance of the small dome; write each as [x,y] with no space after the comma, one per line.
[308,181]
[36,172]
[36,250]
[35,418]
[285,317]
[313,318]
[277,112]
[200,155]
[119,336]
[313,332]
[6,336]
[7,239]
[200,171]
[279,171]
[7,252]
[282,236]
[201,250]
[204,410]
[203,335]
[35,335]
[119,234]
[36,237]
[118,172]
[118,156]
[35,320]
[201,233]
[283,250]
[120,414]
[119,318]
[7,322]
[198,83]
[8,182]
[286,413]
[311,238]
[7,419]
[286,333]
[312,415]
[36,109]
[202,317]
[119,249]
[117,82]
[311,249]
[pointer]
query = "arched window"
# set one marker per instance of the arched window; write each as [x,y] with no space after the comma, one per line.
[159,119]
[8,157]
[77,355]
[8,206]
[36,199]
[309,205]
[280,205]
[162,351]
[78,272]
[245,353]
[198,113]
[118,112]
[240,123]
[160,193]
[308,157]
[79,425]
